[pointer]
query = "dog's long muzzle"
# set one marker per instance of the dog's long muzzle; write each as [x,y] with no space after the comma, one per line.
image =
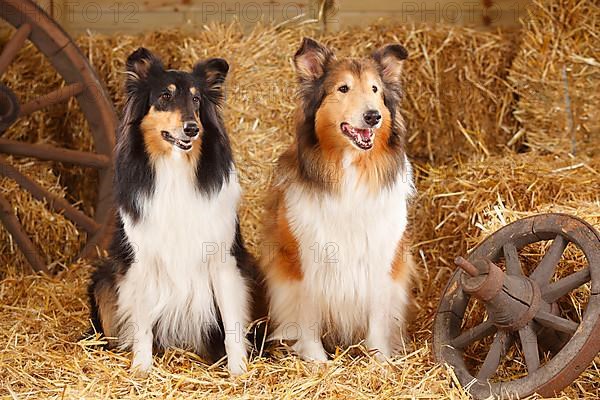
[184,143]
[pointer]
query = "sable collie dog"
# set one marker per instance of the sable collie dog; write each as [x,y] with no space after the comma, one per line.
[335,257]
[178,273]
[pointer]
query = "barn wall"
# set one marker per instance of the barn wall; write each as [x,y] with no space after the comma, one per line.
[466,12]
[141,15]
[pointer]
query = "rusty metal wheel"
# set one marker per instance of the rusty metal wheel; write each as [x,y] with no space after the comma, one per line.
[80,81]
[525,321]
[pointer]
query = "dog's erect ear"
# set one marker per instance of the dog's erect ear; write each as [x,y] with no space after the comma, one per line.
[142,63]
[212,71]
[310,59]
[391,58]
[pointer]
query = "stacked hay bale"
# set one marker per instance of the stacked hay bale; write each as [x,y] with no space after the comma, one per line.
[456,100]
[556,74]
[456,104]
[456,208]
[462,203]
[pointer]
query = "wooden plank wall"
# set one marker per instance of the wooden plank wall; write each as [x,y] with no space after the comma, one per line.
[478,13]
[107,16]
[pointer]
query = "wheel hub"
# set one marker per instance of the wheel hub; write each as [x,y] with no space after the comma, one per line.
[9,107]
[511,301]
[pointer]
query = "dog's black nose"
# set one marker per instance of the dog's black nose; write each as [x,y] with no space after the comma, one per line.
[190,128]
[372,117]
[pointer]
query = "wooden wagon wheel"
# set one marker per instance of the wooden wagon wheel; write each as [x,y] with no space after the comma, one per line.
[81,82]
[522,309]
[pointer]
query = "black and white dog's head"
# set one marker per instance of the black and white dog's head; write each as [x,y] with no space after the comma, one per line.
[171,106]
[171,113]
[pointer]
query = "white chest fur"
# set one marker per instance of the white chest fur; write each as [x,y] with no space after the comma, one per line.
[347,243]
[181,237]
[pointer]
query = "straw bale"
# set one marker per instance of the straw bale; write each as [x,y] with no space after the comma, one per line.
[559,40]
[449,68]
[454,205]
[457,103]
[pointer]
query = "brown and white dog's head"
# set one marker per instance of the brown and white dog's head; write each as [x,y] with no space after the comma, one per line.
[350,104]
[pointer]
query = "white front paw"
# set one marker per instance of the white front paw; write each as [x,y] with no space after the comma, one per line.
[236,360]
[310,351]
[141,364]
[379,356]
[379,346]
[380,353]
[236,367]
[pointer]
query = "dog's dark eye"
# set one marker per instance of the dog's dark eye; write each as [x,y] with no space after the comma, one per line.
[375,89]
[344,88]
[196,99]
[166,96]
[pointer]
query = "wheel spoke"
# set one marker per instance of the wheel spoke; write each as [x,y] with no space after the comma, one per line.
[13,46]
[557,323]
[556,290]
[545,269]
[499,347]
[55,202]
[51,153]
[57,96]
[103,212]
[13,226]
[529,343]
[469,336]
[511,257]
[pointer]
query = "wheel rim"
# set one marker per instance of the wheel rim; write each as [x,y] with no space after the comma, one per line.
[582,346]
[81,82]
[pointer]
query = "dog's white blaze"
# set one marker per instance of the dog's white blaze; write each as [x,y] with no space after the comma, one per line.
[347,243]
[182,243]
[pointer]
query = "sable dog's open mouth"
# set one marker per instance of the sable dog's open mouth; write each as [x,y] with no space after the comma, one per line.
[184,145]
[362,138]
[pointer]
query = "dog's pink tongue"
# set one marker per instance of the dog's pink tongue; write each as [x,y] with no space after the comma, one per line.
[365,134]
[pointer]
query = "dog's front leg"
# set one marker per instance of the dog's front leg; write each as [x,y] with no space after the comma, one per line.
[136,331]
[309,345]
[231,294]
[142,344]
[378,334]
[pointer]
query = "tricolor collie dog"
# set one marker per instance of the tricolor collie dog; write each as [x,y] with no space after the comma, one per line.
[335,257]
[177,273]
